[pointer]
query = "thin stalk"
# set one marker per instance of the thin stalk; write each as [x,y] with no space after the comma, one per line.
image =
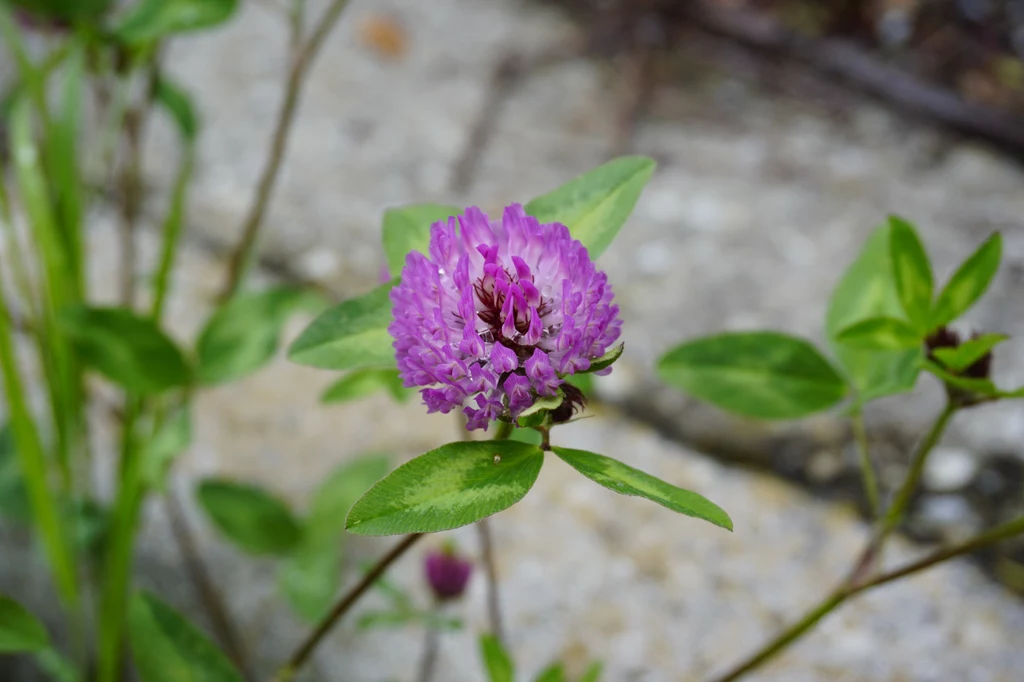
[428,662]
[302,654]
[172,229]
[31,77]
[491,570]
[118,560]
[19,256]
[862,566]
[300,64]
[867,466]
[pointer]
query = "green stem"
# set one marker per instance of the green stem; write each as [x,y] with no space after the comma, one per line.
[867,467]
[899,505]
[503,431]
[172,232]
[118,560]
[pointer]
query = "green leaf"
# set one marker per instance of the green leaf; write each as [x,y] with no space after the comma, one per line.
[171,439]
[881,333]
[912,272]
[243,335]
[90,524]
[606,360]
[436,621]
[168,648]
[129,350]
[14,502]
[541,403]
[595,205]
[310,577]
[592,673]
[452,486]
[626,480]
[526,436]
[177,102]
[365,382]
[56,666]
[765,375]
[969,282]
[67,10]
[407,229]
[968,352]
[866,290]
[250,517]
[496,660]
[351,335]
[334,498]
[153,19]
[372,620]
[20,631]
[983,387]
[553,673]
[584,382]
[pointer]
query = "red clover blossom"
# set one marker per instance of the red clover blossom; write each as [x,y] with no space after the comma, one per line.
[498,314]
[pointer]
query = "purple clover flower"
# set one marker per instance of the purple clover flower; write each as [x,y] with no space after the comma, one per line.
[447,573]
[498,314]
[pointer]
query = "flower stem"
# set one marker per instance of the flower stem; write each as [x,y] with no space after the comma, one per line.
[302,654]
[431,642]
[491,569]
[301,61]
[867,467]
[855,581]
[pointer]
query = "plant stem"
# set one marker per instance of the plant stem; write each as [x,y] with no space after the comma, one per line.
[299,658]
[431,640]
[491,569]
[301,61]
[867,467]
[172,232]
[219,618]
[855,580]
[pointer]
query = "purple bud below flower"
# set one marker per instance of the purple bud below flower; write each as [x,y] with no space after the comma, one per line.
[447,573]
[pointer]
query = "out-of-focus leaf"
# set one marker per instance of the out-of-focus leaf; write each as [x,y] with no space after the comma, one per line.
[149,20]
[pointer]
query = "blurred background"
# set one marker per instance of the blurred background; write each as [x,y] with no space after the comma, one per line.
[785,131]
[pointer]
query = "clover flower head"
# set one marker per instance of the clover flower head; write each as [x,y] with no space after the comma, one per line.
[498,313]
[447,572]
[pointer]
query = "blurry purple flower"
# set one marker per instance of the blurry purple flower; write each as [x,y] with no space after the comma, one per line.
[498,314]
[447,573]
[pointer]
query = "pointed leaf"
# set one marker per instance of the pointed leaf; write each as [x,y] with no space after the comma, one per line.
[250,517]
[311,576]
[372,620]
[129,350]
[881,333]
[968,352]
[351,335]
[168,648]
[983,387]
[152,19]
[173,438]
[592,673]
[452,486]
[606,360]
[364,382]
[911,271]
[595,205]
[334,498]
[20,630]
[407,229]
[496,660]
[553,673]
[867,290]
[177,102]
[14,502]
[626,480]
[243,335]
[969,282]
[765,375]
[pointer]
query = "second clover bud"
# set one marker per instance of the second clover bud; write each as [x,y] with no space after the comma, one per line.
[447,573]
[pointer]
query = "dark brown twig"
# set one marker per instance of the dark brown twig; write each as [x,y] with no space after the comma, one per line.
[301,61]
[223,626]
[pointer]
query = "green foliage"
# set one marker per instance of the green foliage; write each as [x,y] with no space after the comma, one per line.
[912,273]
[981,387]
[250,517]
[14,502]
[365,382]
[168,648]
[967,353]
[150,20]
[171,439]
[452,486]
[969,282]
[243,335]
[335,497]
[351,335]
[595,205]
[67,10]
[129,350]
[766,375]
[592,673]
[606,360]
[881,333]
[178,104]
[407,229]
[20,631]
[496,660]
[626,480]
[553,673]
[867,290]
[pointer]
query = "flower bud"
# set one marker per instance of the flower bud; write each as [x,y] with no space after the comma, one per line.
[447,573]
